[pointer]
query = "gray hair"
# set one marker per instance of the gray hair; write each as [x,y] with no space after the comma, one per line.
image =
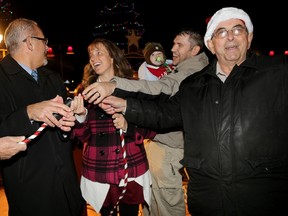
[16,33]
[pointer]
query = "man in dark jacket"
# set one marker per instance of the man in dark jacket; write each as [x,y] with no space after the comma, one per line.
[234,115]
[42,180]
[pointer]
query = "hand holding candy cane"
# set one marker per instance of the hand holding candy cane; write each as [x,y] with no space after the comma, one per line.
[44,125]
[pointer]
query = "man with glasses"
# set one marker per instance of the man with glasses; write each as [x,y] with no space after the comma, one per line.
[41,180]
[234,114]
[45,40]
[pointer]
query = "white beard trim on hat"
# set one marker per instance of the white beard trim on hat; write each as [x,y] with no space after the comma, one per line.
[226,14]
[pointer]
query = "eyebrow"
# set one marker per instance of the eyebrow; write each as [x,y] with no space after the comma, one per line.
[238,25]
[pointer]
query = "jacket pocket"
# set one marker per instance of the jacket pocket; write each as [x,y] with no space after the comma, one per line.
[194,163]
[264,165]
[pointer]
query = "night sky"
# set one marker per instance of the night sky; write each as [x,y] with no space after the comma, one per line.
[74,23]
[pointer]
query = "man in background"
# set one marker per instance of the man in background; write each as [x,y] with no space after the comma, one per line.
[165,151]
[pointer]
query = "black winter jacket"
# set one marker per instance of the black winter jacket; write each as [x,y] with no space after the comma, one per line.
[41,180]
[235,134]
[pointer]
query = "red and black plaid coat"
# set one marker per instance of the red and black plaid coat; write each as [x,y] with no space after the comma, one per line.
[102,155]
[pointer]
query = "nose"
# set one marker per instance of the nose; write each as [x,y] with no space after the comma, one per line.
[230,34]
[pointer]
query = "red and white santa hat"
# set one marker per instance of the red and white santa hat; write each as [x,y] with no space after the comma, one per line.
[226,14]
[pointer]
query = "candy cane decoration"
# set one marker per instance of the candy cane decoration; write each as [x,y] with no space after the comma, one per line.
[33,136]
[44,125]
[123,150]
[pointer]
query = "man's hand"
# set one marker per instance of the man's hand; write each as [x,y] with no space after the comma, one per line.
[43,112]
[113,104]
[97,91]
[10,146]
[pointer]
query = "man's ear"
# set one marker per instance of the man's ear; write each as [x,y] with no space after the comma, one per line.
[29,44]
[250,37]
[210,46]
[30,47]
[195,50]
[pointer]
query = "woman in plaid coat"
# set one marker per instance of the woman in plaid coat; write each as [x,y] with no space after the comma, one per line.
[103,167]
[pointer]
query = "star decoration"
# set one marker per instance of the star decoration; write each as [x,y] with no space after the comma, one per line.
[133,39]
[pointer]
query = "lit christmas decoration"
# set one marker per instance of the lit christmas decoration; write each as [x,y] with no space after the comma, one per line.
[133,39]
[119,23]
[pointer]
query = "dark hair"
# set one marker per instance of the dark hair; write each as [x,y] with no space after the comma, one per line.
[121,66]
[195,38]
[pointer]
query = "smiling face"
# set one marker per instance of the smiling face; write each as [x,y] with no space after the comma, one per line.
[101,61]
[231,48]
[181,49]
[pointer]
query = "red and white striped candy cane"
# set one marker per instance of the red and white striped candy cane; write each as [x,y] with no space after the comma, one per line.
[34,135]
[44,125]
[123,150]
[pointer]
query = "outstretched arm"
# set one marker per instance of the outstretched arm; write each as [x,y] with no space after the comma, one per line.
[97,91]
[157,115]
[122,87]
[113,105]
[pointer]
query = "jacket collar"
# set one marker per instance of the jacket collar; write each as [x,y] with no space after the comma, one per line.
[199,61]
[250,62]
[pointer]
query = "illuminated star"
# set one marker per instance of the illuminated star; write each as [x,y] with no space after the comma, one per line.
[133,39]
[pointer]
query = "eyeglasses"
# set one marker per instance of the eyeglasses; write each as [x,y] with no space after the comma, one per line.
[236,31]
[45,40]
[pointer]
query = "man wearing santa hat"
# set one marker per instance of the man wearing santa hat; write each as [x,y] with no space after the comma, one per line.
[234,114]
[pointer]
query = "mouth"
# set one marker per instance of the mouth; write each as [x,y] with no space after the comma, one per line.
[96,65]
[231,47]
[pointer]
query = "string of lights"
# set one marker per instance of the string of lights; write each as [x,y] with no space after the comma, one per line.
[119,19]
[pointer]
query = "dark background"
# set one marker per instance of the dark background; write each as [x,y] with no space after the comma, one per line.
[73,23]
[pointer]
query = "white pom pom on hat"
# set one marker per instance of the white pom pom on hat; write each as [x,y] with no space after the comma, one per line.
[226,14]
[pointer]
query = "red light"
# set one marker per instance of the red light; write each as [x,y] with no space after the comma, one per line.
[50,53]
[271,53]
[70,50]
[286,52]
